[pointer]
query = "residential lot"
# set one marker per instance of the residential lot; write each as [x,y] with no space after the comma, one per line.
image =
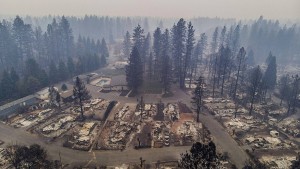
[262,134]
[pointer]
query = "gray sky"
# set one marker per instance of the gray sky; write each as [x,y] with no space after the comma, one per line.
[241,9]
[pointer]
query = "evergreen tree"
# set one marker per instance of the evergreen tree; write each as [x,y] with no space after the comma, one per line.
[166,70]
[146,25]
[52,40]
[228,41]
[197,56]
[157,50]
[147,46]
[214,42]
[235,41]
[270,76]
[138,42]
[40,46]
[178,48]
[43,78]
[23,36]
[96,62]
[97,45]
[127,45]
[32,69]
[103,60]
[104,48]
[66,39]
[6,87]
[111,38]
[62,71]
[71,66]
[134,71]
[202,46]
[222,36]
[14,82]
[53,73]
[81,47]
[64,87]
[250,58]
[9,55]
[150,66]
[80,94]
[157,42]
[79,67]
[138,38]
[189,50]
[31,85]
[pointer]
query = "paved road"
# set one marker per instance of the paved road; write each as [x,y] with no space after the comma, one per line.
[222,139]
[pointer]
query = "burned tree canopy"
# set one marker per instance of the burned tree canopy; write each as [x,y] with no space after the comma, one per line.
[200,156]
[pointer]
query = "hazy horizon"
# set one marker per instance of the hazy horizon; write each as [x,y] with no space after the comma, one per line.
[239,9]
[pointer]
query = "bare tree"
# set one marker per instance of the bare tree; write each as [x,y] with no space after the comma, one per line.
[294,94]
[214,74]
[284,88]
[241,60]
[198,95]
[52,95]
[224,63]
[254,83]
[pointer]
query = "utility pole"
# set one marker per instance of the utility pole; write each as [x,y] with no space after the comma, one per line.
[157,164]
[142,162]
[139,141]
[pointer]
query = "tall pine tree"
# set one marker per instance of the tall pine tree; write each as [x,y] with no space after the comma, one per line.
[80,94]
[178,48]
[134,71]
[127,45]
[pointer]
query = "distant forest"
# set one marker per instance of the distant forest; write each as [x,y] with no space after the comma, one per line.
[31,58]
[36,52]
[261,35]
